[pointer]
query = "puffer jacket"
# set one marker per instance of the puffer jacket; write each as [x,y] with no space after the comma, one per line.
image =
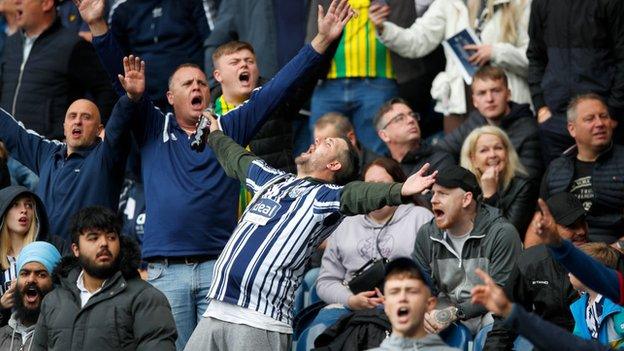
[516,202]
[493,245]
[576,47]
[540,284]
[445,18]
[60,68]
[521,127]
[126,314]
[605,218]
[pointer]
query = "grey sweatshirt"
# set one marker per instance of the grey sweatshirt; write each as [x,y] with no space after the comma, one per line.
[353,244]
[431,342]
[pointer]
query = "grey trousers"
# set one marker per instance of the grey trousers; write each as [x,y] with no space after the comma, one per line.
[213,334]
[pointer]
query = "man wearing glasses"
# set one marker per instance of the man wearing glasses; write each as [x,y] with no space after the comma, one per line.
[397,125]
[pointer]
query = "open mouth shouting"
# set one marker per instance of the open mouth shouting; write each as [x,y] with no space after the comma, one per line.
[245,79]
[76,133]
[403,315]
[197,102]
[31,295]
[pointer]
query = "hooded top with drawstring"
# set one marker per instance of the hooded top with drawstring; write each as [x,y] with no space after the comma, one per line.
[7,196]
[15,336]
[493,245]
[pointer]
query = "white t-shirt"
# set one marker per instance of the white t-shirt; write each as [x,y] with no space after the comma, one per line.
[227,312]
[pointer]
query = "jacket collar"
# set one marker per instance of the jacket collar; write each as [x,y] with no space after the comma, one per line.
[112,286]
[82,152]
[55,26]
[572,152]
[414,155]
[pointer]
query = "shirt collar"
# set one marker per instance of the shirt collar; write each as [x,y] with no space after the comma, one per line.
[81,286]
[82,152]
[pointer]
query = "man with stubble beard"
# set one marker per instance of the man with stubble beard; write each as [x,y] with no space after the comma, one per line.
[35,264]
[100,302]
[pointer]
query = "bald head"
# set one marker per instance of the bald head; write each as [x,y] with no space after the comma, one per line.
[82,125]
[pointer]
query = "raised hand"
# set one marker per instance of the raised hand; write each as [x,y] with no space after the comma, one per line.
[491,296]
[7,300]
[133,80]
[418,182]
[90,10]
[331,24]
[546,225]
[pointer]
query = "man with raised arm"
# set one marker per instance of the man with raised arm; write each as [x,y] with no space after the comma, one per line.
[191,204]
[257,274]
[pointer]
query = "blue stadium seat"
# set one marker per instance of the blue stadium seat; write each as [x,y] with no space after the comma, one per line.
[457,335]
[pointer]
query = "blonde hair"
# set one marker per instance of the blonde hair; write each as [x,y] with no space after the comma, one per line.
[5,239]
[513,165]
[510,17]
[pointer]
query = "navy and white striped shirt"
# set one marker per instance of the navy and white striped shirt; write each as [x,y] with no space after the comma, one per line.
[263,262]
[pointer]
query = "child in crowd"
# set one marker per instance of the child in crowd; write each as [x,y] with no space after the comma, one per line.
[595,316]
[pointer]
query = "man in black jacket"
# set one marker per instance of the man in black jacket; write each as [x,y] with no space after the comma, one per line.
[593,171]
[575,47]
[100,302]
[397,125]
[538,282]
[45,67]
[491,98]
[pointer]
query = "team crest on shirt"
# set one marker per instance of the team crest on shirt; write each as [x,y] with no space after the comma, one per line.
[297,192]
[262,211]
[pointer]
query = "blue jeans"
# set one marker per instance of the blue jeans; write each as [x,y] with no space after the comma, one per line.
[186,287]
[357,98]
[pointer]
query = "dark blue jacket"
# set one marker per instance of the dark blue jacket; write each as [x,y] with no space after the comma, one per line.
[88,177]
[605,219]
[547,336]
[191,203]
[164,33]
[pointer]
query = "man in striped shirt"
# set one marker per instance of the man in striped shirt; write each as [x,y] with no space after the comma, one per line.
[257,273]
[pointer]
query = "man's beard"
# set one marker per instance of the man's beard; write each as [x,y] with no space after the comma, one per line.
[25,315]
[100,272]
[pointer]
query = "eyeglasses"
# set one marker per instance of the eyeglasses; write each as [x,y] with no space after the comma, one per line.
[402,117]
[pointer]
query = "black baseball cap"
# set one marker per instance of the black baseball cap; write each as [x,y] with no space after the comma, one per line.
[458,177]
[565,208]
[404,263]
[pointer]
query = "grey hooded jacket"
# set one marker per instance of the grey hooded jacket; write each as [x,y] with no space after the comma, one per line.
[493,245]
[13,335]
[431,342]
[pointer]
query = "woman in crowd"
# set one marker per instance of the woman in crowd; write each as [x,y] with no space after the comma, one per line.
[487,152]
[388,233]
[24,220]
[501,26]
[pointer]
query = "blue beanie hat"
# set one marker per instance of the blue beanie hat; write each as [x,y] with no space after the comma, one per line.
[39,251]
